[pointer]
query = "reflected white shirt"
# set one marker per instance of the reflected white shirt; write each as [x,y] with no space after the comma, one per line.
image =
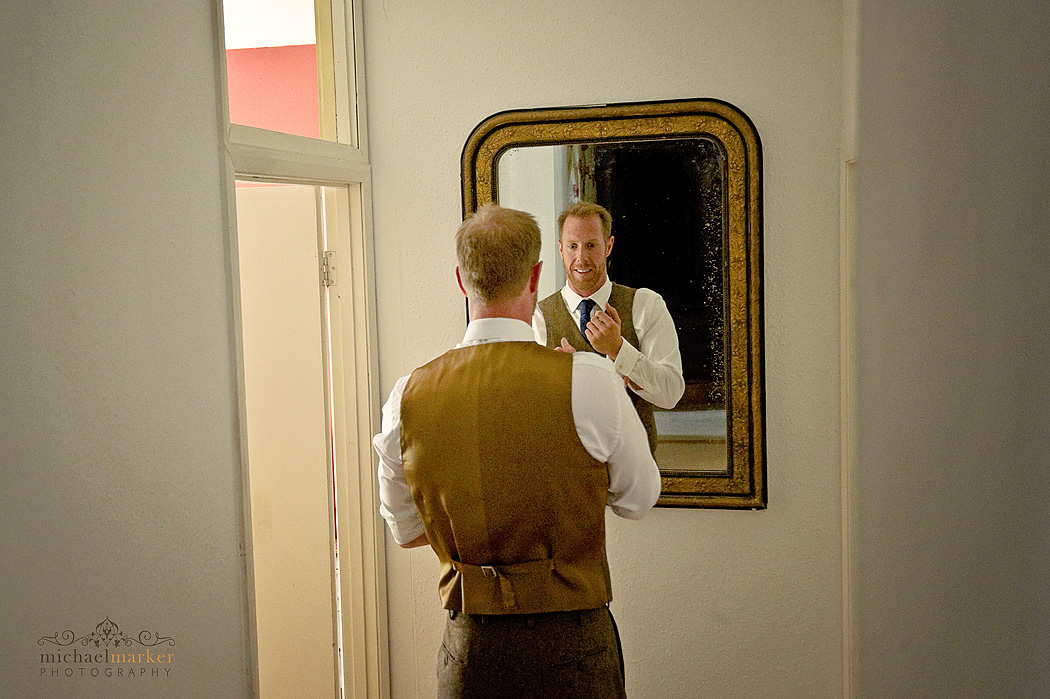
[655,366]
[606,421]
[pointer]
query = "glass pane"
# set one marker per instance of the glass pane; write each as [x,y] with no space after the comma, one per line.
[274,64]
[671,189]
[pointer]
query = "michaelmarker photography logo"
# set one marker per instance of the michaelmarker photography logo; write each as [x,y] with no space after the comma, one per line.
[107,652]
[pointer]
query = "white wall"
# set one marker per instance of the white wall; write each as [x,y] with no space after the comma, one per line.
[710,603]
[953,317]
[119,487]
[535,180]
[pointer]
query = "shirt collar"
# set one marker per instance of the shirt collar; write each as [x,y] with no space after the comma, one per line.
[600,297]
[484,330]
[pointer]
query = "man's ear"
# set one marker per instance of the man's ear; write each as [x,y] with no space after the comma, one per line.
[534,277]
[459,281]
[608,245]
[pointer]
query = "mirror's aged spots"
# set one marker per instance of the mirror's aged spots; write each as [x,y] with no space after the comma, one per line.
[682,180]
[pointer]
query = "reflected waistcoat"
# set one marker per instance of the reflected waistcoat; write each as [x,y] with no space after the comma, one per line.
[512,503]
[560,323]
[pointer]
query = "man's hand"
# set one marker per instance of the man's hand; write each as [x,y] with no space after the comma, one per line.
[603,332]
[565,347]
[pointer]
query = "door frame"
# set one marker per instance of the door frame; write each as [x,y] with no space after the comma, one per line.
[257,153]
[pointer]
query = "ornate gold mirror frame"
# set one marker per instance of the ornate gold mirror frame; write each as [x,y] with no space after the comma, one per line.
[742,485]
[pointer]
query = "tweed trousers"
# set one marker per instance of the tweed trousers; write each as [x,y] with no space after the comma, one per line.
[556,655]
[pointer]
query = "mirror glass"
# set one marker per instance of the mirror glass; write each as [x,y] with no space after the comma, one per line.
[682,180]
[665,197]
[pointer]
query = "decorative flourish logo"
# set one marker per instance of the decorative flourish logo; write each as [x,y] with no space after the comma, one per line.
[107,634]
[101,657]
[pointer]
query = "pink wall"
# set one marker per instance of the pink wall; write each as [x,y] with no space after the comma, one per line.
[275,88]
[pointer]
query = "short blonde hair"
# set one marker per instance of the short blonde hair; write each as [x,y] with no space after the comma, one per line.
[497,249]
[583,209]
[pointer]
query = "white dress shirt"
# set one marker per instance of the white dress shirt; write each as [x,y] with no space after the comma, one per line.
[606,421]
[655,367]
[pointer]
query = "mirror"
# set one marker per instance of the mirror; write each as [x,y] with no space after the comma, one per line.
[682,180]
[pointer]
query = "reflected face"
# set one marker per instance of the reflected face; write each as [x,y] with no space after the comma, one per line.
[584,251]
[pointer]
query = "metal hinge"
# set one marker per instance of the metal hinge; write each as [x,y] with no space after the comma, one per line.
[328,267]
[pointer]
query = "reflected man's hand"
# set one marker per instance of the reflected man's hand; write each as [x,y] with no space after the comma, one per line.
[565,347]
[603,332]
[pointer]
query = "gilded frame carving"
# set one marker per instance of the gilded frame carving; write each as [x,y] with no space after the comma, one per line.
[743,484]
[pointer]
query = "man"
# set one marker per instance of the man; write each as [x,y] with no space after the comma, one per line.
[502,455]
[632,327]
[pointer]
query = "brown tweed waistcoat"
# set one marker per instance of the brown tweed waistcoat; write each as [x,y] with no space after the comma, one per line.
[511,501]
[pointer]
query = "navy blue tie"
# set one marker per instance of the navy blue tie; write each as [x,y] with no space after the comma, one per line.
[586,306]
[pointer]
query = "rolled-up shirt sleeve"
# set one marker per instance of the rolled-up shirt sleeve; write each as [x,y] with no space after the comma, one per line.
[395,497]
[655,367]
[611,431]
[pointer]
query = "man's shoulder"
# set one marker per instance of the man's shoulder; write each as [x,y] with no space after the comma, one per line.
[553,298]
[438,359]
[644,291]
[483,351]
[514,355]
[643,297]
[594,364]
[437,364]
[551,304]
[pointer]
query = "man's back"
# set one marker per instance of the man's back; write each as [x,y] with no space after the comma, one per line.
[502,481]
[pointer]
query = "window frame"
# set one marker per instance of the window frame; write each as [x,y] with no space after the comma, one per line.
[251,152]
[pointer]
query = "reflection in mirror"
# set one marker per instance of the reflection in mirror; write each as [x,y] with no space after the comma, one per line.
[666,201]
[682,180]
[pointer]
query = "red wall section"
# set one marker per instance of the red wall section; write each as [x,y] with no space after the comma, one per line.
[275,88]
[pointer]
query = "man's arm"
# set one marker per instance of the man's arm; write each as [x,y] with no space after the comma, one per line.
[611,432]
[634,477]
[654,369]
[395,497]
[420,540]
